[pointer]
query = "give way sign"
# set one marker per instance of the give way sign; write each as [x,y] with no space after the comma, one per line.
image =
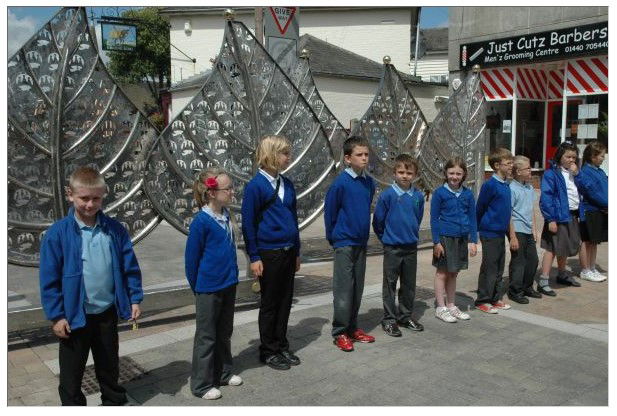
[282,17]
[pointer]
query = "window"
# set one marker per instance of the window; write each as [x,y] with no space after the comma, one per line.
[498,127]
[442,79]
[530,131]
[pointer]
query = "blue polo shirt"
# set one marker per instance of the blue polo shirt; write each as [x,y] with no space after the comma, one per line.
[97,269]
[523,196]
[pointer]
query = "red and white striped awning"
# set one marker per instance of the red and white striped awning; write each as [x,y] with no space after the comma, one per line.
[497,84]
[555,84]
[587,76]
[530,84]
[580,77]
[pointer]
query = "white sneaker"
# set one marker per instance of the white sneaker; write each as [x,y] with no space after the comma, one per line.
[212,394]
[458,314]
[235,380]
[599,276]
[444,314]
[586,274]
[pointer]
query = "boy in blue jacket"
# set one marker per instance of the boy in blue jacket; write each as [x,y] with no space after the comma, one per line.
[493,212]
[347,216]
[89,276]
[396,222]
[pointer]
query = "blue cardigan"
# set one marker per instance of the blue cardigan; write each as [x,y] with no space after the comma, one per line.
[554,196]
[592,184]
[494,208]
[210,259]
[347,210]
[279,227]
[61,270]
[397,219]
[453,216]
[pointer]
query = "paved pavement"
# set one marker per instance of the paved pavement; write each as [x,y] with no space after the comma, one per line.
[553,351]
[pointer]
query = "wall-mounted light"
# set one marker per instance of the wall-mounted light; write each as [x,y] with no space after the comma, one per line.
[188,29]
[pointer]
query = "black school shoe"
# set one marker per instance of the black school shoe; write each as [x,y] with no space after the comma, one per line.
[547,292]
[518,298]
[532,293]
[275,361]
[412,325]
[567,280]
[391,329]
[290,357]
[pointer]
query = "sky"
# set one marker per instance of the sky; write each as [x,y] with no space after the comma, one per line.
[23,22]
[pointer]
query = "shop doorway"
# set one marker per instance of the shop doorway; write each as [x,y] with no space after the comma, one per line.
[553,125]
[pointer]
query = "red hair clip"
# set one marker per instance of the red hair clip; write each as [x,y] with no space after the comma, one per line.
[211,183]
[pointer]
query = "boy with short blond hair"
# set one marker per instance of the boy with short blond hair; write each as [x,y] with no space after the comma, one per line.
[347,217]
[88,277]
[524,255]
[493,212]
[396,222]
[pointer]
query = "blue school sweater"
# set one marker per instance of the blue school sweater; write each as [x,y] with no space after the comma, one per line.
[494,208]
[453,216]
[398,215]
[347,211]
[592,184]
[279,226]
[210,261]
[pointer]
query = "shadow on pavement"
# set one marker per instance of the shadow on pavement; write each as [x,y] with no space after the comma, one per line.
[168,380]
[300,336]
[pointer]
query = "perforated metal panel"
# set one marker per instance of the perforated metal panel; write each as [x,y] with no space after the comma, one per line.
[457,131]
[393,124]
[64,110]
[246,96]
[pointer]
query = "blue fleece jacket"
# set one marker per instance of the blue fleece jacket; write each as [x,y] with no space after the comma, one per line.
[61,270]
[279,226]
[494,208]
[453,216]
[397,216]
[210,259]
[347,211]
[554,196]
[592,184]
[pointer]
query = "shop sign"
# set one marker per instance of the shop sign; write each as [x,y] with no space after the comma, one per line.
[555,44]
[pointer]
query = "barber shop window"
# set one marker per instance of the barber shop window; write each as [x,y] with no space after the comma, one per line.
[498,127]
[530,131]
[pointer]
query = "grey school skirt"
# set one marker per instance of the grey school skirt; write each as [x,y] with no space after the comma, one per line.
[566,241]
[455,256]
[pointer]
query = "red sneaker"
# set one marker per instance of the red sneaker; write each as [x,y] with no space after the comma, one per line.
[361,336]
[486,307]
[500,305]
[343,342]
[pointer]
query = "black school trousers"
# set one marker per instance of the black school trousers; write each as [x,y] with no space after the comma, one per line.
[490,280]
[101,336]
[277,286]
[523,265]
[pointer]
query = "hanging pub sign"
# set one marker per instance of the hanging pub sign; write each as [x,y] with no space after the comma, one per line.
[555,44]
[118,37]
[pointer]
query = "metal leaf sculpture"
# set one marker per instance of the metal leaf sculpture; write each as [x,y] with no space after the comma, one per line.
[393,124]
[64,110]
[246,96]
[302,77]
[456,131]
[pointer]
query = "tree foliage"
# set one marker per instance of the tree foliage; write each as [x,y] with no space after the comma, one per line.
[149,62]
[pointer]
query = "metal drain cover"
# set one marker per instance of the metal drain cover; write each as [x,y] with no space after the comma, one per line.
[129,370]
